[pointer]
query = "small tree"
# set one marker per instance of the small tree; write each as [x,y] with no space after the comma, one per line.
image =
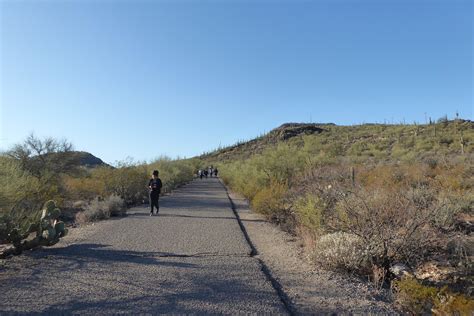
[44,159]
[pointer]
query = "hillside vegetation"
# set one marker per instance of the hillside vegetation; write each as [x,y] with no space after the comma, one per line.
[376,200]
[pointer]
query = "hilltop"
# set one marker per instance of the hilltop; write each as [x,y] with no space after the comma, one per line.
[81,159]
[88,160]
[257,145]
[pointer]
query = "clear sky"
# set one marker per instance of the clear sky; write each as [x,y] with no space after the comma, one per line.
[145,78]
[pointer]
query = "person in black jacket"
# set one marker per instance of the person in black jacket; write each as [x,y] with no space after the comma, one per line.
[154,185]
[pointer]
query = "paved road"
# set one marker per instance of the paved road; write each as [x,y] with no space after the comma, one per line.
[192,258]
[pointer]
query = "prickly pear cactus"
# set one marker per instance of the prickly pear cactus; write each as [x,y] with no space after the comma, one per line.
[52,229]
[48,231]
[61,229]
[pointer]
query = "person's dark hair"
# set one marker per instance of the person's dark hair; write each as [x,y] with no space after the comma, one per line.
[155,173]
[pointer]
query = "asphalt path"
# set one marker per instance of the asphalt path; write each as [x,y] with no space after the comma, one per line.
[192,258]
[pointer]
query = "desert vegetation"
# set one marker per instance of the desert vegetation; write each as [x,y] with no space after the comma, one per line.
[365,199]
[82,188]
[392,203]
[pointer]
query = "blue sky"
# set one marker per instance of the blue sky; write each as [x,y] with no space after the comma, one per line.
[145,78]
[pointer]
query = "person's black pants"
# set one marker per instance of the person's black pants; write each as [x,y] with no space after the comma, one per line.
[154,202]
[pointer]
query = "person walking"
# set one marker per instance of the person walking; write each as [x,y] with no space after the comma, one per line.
[154,185]
[216,172]
[200,174]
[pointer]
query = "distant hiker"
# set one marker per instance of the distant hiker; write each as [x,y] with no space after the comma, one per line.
[216,172]
[210,171]
[200,174]
[154,185]
[205,173]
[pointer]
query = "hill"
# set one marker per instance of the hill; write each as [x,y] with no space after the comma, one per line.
[88,160]
[361,142]
[67,161]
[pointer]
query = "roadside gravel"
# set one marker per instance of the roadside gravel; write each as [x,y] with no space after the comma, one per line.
[309,289]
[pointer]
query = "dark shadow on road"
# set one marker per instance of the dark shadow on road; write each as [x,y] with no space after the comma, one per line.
[79,255]
[206,293]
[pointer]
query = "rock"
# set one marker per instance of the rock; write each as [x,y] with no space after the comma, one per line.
[6,250]
[434,272]
[400,269]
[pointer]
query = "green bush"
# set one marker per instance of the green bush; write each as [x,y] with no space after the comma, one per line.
[19,196]
[270,200]
[245,178]
[419,299]
[309,210]
[16,185]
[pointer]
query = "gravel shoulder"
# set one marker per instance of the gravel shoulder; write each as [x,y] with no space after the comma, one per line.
[310,289]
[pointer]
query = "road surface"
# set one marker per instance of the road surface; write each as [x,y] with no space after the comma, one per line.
[192,258]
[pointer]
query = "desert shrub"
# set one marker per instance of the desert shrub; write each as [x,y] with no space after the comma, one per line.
[86,187]
[446,140]
[394,225]
[116,205]
[342,251]
[309,211]
[128,181]
[450,206]
[375,151]
[17,186]
[414,297]
[358,148]
[418,299]
[280,163]
[270,200]
[19,196]
[95,210]
[100,209]
[425,144]
[399,152]
[244,177]
[334,150]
